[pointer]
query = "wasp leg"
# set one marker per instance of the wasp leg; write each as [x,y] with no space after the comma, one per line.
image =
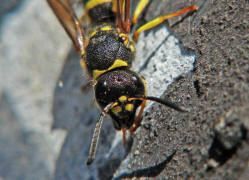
[139,9]
[160,19]
[122,10]
[138,119]
[124,135]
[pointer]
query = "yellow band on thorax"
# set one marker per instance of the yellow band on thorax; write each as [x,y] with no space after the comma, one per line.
[116,64]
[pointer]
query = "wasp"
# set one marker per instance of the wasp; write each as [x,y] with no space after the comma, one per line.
[107,49]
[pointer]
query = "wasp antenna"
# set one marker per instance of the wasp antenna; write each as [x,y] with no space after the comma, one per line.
[161,101]
[95,138]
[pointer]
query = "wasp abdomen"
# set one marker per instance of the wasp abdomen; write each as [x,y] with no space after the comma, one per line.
[102,13]
[99,11]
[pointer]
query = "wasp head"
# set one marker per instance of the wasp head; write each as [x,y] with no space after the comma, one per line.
[119,86]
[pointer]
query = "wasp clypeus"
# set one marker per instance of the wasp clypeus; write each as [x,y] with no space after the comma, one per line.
[106,52]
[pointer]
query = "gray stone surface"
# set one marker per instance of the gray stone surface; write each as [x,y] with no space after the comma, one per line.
[23,152]
[46,123]
[28,75]
[161,59]
[216,90]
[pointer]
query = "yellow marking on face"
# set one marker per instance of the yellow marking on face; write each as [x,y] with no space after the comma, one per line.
[92,3]
[106,28]
[122,98]
[116,64]
[129,107]
[114,104]
[116,110]
[93,33]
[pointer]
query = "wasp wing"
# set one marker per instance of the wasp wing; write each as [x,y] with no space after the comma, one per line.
[68,19]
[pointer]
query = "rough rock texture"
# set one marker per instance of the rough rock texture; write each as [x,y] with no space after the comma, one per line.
[209,142]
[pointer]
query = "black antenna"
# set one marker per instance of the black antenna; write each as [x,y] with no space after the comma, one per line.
[95,138]
[160,101]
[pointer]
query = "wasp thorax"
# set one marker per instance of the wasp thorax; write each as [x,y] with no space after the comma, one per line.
[118,86]
[104,49]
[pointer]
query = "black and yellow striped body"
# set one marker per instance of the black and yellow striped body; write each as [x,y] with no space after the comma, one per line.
[106,48]
[107,53]
[107,58]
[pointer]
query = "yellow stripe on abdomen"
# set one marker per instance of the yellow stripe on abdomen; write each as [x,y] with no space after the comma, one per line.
[92,3]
